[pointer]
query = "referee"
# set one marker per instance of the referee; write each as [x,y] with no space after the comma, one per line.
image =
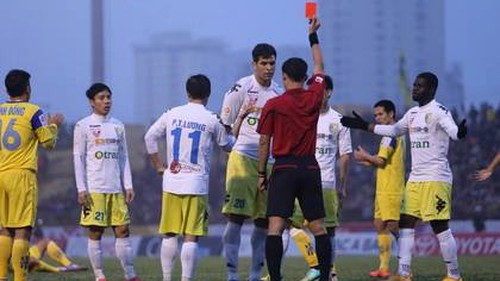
[291,121]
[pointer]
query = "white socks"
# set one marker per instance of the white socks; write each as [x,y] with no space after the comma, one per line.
[286,240]
[258,241]
[168,253]
[188,259]
[449,251]
[406,242]
[124,253]
[95,255]
[231,240]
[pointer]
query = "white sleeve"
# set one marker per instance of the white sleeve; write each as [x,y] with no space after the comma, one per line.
[155,132]
[79,155]
[224,140]
[126,175]
[396,130]
[233,100]
[345,145]
[448,124]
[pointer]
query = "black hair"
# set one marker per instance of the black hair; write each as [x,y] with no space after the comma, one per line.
[430,79]
[387,105]
[198,87]
[295,69]
[97,88]
[17,82]
[263,50]
[328,82]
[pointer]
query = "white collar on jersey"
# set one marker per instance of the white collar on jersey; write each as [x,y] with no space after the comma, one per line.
[101,118]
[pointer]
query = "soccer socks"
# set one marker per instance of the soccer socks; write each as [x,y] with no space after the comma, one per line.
[274,254]
[169,246]
[20,259]
[449,251]
[406,242]
[55,253]
[258,241]
[384,250]
[124,253]
[35,252]
[286,240]
[95,255]
[305,246]
[5,251]
[324,252]
[231,240]
[334,255]
[43,266]
[188,259]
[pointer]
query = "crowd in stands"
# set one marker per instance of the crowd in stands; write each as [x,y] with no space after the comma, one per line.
[471,200]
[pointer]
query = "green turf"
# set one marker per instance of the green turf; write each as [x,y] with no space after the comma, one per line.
[349,268]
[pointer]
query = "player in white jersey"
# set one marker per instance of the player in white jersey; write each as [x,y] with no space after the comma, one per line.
[190,132]
[103,180]
[428,191]
[243,200]
[333,141]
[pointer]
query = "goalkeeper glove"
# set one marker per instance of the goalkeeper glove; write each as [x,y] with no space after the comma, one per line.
[355,122]
[462,130]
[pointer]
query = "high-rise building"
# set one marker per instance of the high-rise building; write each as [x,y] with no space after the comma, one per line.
[363,42]
[163,66]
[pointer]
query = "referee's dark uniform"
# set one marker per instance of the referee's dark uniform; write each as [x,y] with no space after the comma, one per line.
[291,120]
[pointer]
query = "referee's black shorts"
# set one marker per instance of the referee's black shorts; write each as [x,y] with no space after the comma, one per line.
[295,177]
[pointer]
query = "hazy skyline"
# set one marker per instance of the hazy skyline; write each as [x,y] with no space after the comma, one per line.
[51,40]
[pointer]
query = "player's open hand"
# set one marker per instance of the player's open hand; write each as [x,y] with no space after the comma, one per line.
[129,195]
[84,198]
[56,119]
[314,25]
[483,174]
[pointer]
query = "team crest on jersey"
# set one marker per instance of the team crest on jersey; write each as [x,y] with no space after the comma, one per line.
[334,128]
[96,132]
[428,118]
[175,167]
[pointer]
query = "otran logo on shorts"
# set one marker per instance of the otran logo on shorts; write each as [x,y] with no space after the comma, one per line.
[106,155]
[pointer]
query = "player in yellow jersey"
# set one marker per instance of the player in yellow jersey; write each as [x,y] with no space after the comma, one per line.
[389,163]
[23,126]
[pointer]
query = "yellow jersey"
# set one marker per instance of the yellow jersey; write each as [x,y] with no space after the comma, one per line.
[22,127]
[391,177]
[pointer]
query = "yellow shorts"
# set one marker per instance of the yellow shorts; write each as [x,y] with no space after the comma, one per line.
[427,200]
[105,209]
[242,196]
[184,214]
[387,206]
[18,198]
[331,203]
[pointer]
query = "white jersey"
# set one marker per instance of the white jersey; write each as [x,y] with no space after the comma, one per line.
[332,137]
[190,132]
[247,91]
[100,155]
[430,127]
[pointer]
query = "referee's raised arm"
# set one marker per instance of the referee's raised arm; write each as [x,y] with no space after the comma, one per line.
[319,66]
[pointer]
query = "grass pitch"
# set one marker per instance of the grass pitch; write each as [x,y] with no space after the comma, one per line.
[349,269]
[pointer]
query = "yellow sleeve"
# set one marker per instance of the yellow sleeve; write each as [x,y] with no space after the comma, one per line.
[47,135]
[387,147]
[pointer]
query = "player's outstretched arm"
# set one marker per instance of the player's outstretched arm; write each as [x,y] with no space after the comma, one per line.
[356,122]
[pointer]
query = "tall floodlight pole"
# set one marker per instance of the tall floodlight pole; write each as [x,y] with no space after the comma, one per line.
[97,23]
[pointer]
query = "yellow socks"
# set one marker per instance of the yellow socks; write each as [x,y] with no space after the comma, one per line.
[5,250]
[43,266]
[384,249]
[20,259]
[305,246]
[57,254]
[35,252]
